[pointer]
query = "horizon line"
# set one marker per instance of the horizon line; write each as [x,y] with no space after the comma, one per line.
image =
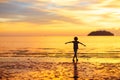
[46,35]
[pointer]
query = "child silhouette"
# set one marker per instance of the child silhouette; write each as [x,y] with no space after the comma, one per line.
[75,46]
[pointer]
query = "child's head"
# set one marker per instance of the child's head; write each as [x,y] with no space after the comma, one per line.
[75,38]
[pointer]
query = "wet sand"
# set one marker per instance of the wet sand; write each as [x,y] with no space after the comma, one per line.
[39,68]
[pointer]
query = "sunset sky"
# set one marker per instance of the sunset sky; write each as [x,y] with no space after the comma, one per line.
[58,17]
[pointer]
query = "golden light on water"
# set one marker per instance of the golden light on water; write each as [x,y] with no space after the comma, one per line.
[33,35]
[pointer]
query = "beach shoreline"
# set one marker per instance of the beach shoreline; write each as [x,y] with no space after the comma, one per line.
[48,68]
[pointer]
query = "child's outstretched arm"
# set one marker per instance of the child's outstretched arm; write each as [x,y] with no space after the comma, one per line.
[82,44]
[68,42]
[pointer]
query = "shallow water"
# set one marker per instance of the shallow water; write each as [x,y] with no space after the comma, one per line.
[48,58]
[53,46]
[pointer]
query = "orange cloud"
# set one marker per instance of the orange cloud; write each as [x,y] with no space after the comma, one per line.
[3,1]
[58,16]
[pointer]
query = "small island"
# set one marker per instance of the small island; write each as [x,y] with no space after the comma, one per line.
[100,33]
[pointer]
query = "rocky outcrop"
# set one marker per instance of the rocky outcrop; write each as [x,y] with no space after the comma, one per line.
[100,33]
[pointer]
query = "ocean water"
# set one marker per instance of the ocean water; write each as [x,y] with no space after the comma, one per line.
[54,46]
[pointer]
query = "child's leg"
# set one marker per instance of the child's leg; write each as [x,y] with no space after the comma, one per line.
[75,53]
[74,56]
